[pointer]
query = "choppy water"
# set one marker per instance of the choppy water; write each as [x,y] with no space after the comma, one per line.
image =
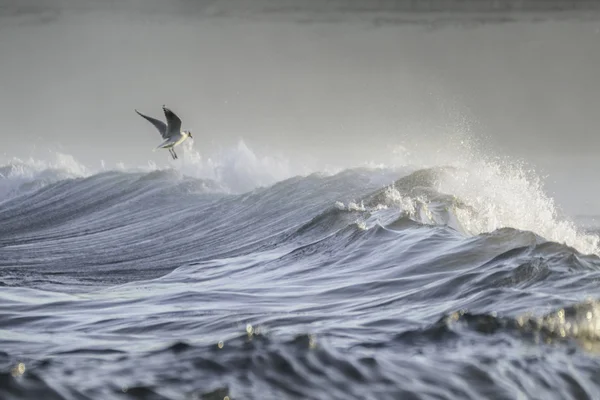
[433,283]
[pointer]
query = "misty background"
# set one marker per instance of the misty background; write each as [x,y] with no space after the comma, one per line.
[338,83]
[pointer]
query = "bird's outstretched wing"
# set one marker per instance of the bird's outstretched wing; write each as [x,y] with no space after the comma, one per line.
[161,126]
[173,122]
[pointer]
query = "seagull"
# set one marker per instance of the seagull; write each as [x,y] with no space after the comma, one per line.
[171,131]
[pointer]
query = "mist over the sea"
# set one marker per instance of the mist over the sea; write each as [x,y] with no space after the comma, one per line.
[322,86]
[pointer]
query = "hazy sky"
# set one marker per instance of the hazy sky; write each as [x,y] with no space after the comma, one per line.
[340,90]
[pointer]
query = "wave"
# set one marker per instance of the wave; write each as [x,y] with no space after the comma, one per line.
[70,218]
[479,198]
[20,176]
[315,286]
[316,364]
[578,321]
[237,169]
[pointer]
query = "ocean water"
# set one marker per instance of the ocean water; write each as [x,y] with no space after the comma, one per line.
[240,279]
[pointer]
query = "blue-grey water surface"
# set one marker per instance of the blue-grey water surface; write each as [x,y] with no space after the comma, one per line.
[365,284]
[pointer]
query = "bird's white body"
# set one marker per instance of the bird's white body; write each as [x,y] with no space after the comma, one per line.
[173,141]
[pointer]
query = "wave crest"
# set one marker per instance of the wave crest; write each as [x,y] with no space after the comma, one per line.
[20,176]
[482,198]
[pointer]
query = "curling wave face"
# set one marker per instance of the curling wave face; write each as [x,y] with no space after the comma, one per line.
[445,282]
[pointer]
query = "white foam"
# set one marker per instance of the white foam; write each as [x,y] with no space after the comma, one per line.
[237,169]
[505,194]
[498,193]
[20,175]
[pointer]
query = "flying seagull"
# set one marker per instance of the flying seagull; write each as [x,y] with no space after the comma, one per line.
[171,131]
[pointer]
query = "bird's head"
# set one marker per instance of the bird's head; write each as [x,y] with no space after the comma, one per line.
[189,133]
